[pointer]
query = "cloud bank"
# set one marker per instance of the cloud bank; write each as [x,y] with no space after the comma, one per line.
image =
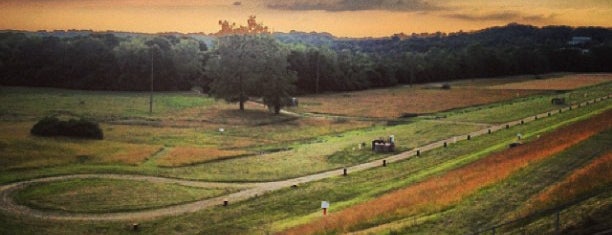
[353,5]
[506,16]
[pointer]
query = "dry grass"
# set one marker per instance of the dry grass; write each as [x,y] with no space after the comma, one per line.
[569,82]
[596,174]
[132,154]
[228,113]
[19,149]
[394,102]
[439,192]
[181,156]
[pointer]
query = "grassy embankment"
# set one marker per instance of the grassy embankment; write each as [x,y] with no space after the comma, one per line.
[437,193]
[506,200]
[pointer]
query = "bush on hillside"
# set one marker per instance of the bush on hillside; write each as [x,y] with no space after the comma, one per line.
[52,126]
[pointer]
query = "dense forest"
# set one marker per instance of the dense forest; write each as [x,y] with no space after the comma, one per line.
[319,61]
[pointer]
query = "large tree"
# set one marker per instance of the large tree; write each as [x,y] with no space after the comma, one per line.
[188,57]
[250,65]
[276,82]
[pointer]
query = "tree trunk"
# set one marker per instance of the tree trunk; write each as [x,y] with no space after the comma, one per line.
[277,109]
[241,94]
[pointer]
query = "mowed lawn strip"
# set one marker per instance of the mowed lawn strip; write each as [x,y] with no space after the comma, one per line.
[434,194]
[109,195]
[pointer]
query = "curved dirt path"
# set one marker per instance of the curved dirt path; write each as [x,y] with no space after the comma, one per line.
[250,189]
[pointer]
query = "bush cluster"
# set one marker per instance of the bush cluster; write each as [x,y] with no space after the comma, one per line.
[52,126]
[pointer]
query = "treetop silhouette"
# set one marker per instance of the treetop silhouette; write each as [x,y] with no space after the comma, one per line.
[252,28]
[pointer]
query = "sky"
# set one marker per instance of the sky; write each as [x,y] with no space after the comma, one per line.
[344,18]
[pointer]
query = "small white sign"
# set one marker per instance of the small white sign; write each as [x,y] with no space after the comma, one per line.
[324,204]
[221,130]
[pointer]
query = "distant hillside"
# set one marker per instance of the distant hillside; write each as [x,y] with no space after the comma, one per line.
[83,59]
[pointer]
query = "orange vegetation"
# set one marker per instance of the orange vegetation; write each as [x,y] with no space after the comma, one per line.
[180,156]
[596,174]
[569,82]
[438,192]
[127,153]
[392,103]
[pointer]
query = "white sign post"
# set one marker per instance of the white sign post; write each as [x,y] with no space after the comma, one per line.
[324,206]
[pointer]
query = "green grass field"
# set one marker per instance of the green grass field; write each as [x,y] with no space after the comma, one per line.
[288,207]
[271,148]
[37,102]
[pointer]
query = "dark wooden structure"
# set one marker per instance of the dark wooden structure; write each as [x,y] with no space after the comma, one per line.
[384,146]
[558,101]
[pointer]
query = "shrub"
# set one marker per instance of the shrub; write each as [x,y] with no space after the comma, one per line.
[52,126]
[446,86]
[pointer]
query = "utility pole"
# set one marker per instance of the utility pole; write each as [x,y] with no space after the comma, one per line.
[151,94]
[318,74]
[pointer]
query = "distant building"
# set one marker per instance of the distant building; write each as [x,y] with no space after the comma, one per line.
[579,41]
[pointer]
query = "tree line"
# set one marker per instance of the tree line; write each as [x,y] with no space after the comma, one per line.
[101,61]
[237,66]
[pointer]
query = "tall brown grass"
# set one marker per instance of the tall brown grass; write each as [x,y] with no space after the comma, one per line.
[595,175]
[569,82]
[392,103]
[438,192]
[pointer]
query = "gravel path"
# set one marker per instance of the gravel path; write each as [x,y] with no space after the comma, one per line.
[249,190]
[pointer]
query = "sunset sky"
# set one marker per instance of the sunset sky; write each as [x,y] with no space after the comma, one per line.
[352,18]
